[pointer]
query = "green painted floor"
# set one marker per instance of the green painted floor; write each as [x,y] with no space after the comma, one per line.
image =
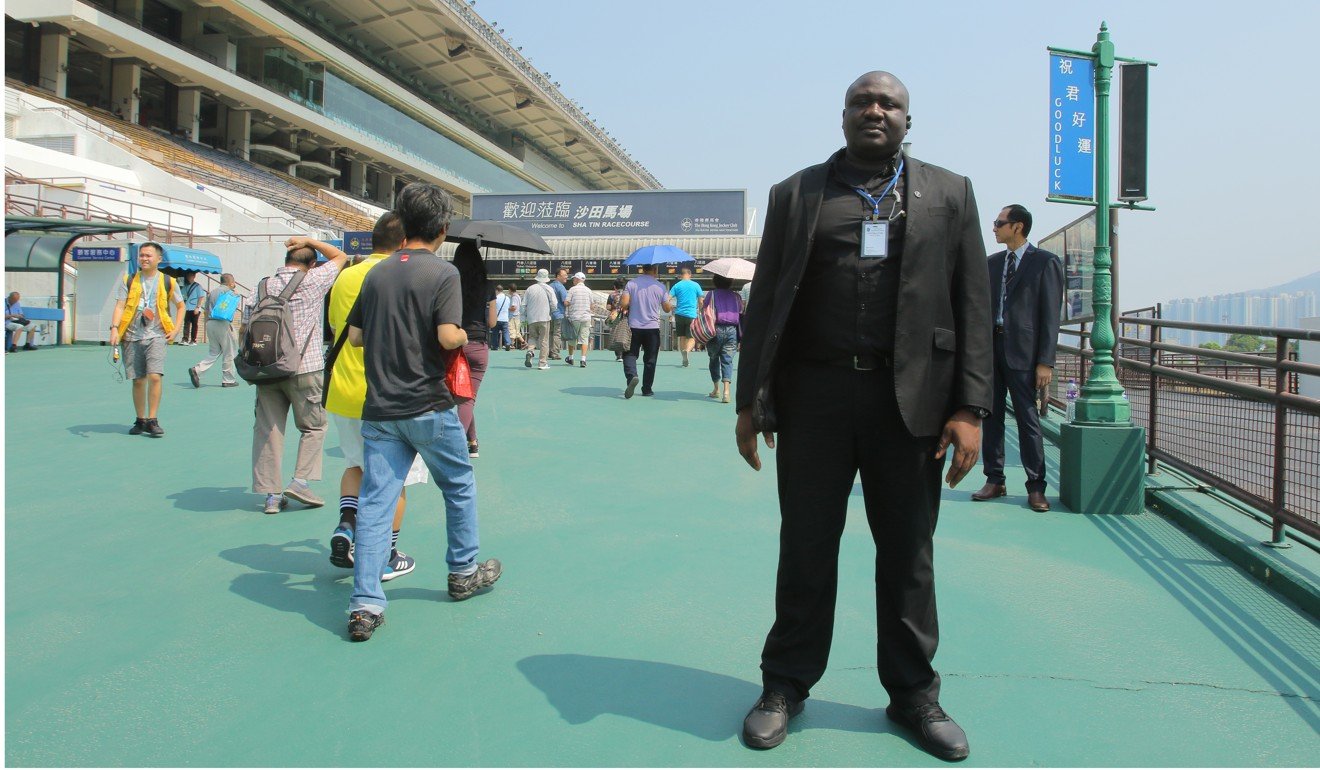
[154,616]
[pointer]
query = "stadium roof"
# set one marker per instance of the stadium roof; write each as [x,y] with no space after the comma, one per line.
[459,57]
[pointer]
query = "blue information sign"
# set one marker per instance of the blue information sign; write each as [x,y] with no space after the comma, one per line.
[1072,126]
[357,242]
[629,212]
[97,253]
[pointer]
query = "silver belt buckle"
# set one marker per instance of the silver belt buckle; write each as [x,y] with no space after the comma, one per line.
[857,365]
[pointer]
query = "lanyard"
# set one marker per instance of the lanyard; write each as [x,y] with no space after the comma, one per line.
[875,202]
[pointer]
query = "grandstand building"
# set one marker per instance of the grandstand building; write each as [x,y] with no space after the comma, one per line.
[356,98]
[224,126]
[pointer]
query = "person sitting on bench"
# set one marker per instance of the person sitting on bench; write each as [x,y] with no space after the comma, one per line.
[16,323]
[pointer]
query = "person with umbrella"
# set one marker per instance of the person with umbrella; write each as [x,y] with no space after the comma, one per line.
[479,315]
[728,330]
[644,298]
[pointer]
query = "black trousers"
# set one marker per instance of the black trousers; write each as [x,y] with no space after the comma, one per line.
[646,342]
[1021,386]
[190,326]
[835,423]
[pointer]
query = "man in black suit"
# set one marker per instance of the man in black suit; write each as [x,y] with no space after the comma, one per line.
[1026,292]
[867,349]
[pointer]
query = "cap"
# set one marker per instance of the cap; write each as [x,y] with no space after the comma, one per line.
[580,276]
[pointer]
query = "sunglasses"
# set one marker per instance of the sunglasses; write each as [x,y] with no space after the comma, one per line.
[998,223]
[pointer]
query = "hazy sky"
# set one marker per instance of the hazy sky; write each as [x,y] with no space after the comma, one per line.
[723,94]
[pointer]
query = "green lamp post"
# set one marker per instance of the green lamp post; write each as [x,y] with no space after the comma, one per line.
[1102,452]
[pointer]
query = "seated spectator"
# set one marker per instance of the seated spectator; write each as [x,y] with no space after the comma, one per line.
[16,323]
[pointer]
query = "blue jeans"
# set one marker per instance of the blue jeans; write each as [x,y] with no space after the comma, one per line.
[389,447]
[499,336]
[721,349]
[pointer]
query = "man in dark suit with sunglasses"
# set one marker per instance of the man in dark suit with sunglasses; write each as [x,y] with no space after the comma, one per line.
[866,349]
[1026,292]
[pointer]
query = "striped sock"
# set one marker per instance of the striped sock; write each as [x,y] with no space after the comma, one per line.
[394,545]
[348,507]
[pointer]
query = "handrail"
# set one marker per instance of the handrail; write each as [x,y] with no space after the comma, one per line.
[1311,335]
[1188,422]
[89,205]
[59,181]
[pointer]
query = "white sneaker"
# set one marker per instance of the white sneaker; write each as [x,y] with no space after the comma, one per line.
[543,366]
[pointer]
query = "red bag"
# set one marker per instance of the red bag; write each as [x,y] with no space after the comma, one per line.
[703,326]
[458,376]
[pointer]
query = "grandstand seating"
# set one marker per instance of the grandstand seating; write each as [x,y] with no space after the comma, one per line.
[299,198]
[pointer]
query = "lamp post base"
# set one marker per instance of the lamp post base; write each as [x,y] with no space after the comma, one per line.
[1102,468]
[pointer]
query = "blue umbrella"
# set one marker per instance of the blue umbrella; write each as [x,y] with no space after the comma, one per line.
[658,255]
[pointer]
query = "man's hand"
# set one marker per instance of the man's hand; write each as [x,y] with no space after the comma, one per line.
[299,242]
[963,430]
[745,434]
[1044,374]
[114,336]
[169,335]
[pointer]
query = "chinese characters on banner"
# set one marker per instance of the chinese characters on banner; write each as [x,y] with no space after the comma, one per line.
[636,212]
[1072,127]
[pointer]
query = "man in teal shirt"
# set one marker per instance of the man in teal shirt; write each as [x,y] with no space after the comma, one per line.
[686,294]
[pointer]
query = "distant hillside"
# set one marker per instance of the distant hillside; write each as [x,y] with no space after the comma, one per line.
[1305,283]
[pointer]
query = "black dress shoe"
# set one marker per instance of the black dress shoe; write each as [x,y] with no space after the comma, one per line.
[766,724]
[937,733]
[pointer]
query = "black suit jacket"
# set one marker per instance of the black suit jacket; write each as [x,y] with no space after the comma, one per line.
[942,343]
[1031,310]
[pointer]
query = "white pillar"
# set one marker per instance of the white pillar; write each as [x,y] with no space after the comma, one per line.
[54,74]
[357,178]
[189,117]
[125,79]
[238,132]
[385,189]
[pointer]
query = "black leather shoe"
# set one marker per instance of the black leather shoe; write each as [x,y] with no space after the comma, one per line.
[766,724]
[937,733]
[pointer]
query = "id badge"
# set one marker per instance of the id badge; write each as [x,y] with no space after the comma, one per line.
[875,240]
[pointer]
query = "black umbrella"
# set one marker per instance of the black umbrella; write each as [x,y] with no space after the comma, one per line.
[484,233]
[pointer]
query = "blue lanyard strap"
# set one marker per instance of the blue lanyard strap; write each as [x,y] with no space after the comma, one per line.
[875,202]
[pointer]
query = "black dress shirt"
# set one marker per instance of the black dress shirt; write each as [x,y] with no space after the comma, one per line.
[846,304]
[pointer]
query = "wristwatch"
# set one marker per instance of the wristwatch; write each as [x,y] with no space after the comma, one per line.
[979,411]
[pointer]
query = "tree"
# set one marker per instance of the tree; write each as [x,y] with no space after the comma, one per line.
[1244,343]
[1212,345]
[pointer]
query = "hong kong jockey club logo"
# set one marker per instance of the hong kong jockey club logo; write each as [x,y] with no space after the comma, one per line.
[687,224]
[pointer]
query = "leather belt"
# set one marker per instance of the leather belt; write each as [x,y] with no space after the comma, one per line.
[863,363]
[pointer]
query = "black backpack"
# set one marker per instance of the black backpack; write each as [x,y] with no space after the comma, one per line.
[268,351]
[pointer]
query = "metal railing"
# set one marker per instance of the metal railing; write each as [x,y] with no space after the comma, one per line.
[1233,420]
[170,224]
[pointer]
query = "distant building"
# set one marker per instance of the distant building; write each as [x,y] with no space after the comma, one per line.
[1253,308]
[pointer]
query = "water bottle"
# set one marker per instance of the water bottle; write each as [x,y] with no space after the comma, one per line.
[1072,399]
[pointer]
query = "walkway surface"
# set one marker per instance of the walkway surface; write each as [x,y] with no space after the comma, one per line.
[154,616]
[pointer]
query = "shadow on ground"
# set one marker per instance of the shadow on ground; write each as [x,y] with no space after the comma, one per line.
[216,499]
[294,577]
[87,430]
[702,704]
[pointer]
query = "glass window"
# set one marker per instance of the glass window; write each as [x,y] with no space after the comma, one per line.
[353,107]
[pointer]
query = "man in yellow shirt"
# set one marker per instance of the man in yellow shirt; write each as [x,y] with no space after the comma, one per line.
[344,399]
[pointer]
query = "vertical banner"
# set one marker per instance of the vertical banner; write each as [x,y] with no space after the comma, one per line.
[1072,127]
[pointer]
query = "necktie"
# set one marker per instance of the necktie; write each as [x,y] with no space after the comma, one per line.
[1012,267]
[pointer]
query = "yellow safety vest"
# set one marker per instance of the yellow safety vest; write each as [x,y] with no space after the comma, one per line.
[162,303]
